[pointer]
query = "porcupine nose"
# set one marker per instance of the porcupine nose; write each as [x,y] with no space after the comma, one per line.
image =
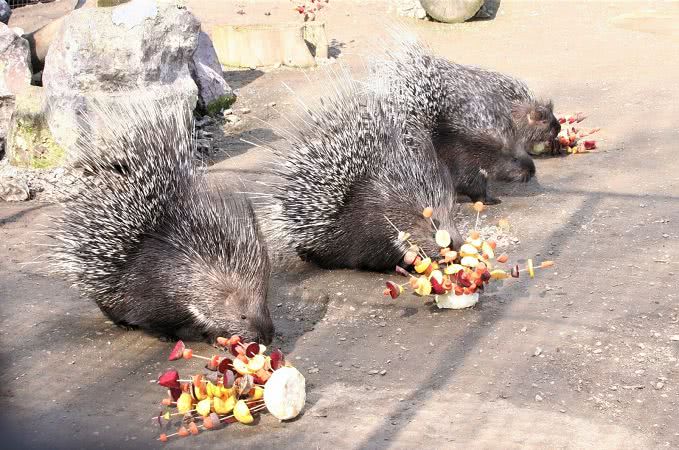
[264,330]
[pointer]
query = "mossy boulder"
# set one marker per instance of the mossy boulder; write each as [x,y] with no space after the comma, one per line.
[29,140]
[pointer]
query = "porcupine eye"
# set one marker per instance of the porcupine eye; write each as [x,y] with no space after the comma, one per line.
[243,316]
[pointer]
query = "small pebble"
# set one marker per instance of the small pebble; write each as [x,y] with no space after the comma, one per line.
[383,372]
[538,398]
[538,351]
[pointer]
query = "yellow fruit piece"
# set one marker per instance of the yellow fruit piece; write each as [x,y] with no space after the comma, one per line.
[403,236]
[256,393]
[262,349]
[184,403]
[488,250]
[166,416]
[423,265]
[469,261]
[201,394]
[531,271]
[211,389]
[452,269]
[478,207]
[224,406]
[256,363]
[503,224]
[203,407]
[468,250]
[224,392]
[477,243]
[240,367]
[242,413]
[499,274]
[423,286]
[442,238]
[428,212]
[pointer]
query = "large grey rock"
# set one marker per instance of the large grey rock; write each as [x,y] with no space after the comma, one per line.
[5,12]
[15,61]
[15,76]
[214,94]
[451,11]
[106,53]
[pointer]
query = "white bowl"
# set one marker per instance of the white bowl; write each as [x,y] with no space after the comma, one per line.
[452,301]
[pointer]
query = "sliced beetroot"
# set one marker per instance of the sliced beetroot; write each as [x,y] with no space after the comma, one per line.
[235,346]
[178,351]
[225,364]
[277,359]
[216,422]
[394,290]
[252,349]
[485,276]
[401,271]
[515,271]
[169,379]
[175,393]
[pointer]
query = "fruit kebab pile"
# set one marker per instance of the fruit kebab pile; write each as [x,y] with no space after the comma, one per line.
[570,137]
[235,388]
[455,278]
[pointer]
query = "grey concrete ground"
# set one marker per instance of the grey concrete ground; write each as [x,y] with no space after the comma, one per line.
[582,357]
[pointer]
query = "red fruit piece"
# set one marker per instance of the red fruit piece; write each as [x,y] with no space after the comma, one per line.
[235,345]
[277,359]
[394,290]
[169,379]
[193,428]
[216,422]
[228,379]
[590,145]
[436,286]
[175,393]
[252,349]
[401,271]
[166,402]
[177,352]
[503,258]
[562,120]
[183,432]
[163,437]
[225,364]
[222,341]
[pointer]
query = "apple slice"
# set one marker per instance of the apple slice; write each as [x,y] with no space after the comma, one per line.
[285,393]
[394,289]
[169,379]
[178,351]
[442,238]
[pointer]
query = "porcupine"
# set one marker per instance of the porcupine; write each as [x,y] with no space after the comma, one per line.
[350,185]
[149,243]
[482,122]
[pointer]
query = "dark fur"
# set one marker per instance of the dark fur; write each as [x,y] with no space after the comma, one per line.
[474,157]
[350,172]
[457,102]
[149,242]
